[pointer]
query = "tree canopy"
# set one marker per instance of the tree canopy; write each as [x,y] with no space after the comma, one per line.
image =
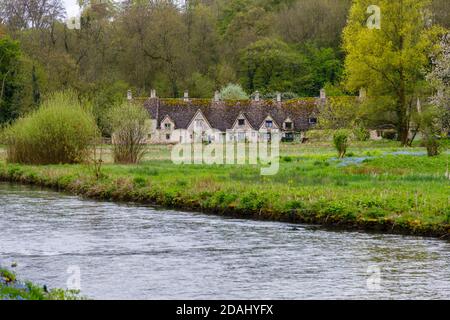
[290,46]
[389,61]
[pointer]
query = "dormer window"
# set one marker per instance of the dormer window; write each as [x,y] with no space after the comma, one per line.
[312,120]
[269,124]
[288,125]
[168,126]
[241,122]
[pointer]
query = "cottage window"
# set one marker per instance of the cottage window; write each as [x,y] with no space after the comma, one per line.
[312,120]
[241,122]
[269,123]
[199,123]
[167,136]
[167,125]
[288,125]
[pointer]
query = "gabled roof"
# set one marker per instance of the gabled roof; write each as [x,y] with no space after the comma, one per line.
[267,118]
[242,115]
[167,117]
[222,115]
[199,111]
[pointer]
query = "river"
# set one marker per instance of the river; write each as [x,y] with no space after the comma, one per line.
[137,252]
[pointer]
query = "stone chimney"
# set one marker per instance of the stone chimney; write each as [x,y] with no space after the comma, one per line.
[323,95]
[216,96]
[186,96]
[153,94]
[278,97]
[419,106]
[362,93]
[257,96]
[129,95]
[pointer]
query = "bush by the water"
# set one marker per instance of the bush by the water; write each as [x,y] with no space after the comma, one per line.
[129,126]
[340,139]
[60,131]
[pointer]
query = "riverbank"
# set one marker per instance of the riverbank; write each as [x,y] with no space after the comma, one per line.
[378,188]
[13,289]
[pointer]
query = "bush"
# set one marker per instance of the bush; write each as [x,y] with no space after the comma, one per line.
[341,142]
[128,123]
[431,131]
[233,92]
[361,134]
[60,131]
[433,145]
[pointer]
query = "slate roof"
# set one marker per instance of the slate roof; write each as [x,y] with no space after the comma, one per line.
[222,115]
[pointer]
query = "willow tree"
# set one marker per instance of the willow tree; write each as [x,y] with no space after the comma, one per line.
[387,52]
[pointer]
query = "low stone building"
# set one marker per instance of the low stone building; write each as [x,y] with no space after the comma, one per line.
[180,120]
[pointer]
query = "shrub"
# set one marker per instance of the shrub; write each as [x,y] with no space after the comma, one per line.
[430,132]
[341,142]
[233,92]
[128,123]
[361,134]
[60,131]
[433,145]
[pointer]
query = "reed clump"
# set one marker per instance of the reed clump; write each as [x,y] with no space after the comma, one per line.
[61,131]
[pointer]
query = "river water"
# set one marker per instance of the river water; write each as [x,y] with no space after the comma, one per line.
[137,252]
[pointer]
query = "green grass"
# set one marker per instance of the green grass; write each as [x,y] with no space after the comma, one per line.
[12,289]
[401,193]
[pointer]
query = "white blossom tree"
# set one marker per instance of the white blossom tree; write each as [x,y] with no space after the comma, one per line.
[439,78]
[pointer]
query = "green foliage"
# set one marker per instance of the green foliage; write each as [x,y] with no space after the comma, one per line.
[323,66]
[155,45]
[389,62]
[341,142]
[200,86]
[341,112]
[361,134]
[319,135]
[271,65]
[388,192]
[60,131]
[333,90]
[130,125]
[9,68]
[431,131]
[103,97]
[30,291]
[233,92]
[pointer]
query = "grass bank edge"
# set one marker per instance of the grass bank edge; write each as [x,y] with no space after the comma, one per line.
[219,202]
[13,289]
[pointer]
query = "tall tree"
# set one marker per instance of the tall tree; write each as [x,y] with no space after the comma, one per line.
[35,14]
[389,61]
[9,68]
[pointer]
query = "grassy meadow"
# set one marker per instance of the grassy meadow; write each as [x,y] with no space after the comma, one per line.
[379,186]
